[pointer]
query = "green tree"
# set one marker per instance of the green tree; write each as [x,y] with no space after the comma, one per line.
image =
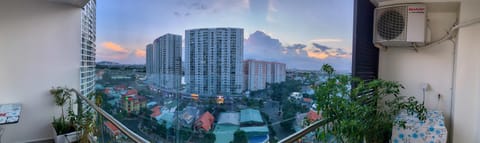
[208,138]
[161,129]
[280,91]
[240,137]
[356,114]
[289,110]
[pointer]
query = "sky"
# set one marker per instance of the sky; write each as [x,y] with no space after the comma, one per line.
[304,34]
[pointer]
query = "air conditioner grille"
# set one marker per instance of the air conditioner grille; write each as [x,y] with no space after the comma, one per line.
[390,25]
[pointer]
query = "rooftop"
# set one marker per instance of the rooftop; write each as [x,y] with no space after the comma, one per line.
[224,133]
[250,115]
[206,120]
[231,118]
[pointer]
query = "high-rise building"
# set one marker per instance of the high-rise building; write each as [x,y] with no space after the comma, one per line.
[164,61]
[149,60]
[259,73]
[87,67]
[213,61]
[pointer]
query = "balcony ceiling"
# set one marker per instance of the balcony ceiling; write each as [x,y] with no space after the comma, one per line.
[76,3]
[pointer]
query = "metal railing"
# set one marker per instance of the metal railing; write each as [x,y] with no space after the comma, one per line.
[130,134]
[300,134]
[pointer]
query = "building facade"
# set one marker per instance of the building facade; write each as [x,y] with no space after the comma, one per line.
[259,73]
[213,61]
[133,103]
[164,61]
[149,59]
[87,67]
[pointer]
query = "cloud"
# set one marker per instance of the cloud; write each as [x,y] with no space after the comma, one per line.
[321,47]
[111,51]
[296,46]
[189,7]
[140,53]
[114,47]
[317,55]
[262,46]
[326,40]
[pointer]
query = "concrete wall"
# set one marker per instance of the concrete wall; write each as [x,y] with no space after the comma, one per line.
[433,65]
[466,121]
[40,48]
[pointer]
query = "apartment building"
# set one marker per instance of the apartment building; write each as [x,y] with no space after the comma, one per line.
[164,61]
[213,61]
[258,73]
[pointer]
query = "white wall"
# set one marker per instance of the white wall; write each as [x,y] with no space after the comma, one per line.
[430,65]
[467,82]
[39,49]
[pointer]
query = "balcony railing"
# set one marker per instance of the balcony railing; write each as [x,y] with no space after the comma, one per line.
[297,136]
[132,136]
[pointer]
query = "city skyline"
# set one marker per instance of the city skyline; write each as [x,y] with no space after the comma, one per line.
[302,35]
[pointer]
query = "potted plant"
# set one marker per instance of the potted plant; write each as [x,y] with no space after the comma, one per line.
[364,112]
[64,128]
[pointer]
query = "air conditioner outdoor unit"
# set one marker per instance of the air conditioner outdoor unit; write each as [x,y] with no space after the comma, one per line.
[400,25]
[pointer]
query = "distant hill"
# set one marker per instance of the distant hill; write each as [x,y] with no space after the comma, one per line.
[107,63]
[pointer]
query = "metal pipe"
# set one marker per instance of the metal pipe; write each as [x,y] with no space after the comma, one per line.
[298,135]
[130,134]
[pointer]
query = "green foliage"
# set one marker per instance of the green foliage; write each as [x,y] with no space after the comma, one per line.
[240,137]
[64,123]
[62,127]
[289,111]
[84,120]
[253,103]
[365,112]
[279,91]
[185,133]
[209,137]
[160,129]
[272,134]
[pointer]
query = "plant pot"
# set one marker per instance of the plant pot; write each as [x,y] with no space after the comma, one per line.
[67,137]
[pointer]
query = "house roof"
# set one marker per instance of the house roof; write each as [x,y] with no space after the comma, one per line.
[132,91]
[135,97]
[155,111]
[229,118]
[206,120]
[308,100]
[250,115]
[106,91]
[190,113]
[313,116]
[167,117]
[224,133]
[257,130]
[112,127]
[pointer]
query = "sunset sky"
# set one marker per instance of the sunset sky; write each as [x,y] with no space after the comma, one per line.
[304,34]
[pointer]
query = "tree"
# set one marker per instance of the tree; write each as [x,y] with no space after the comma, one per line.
[240,137]
[209,138]
[279,91]
[161,129]
[289,110]
[356,114]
